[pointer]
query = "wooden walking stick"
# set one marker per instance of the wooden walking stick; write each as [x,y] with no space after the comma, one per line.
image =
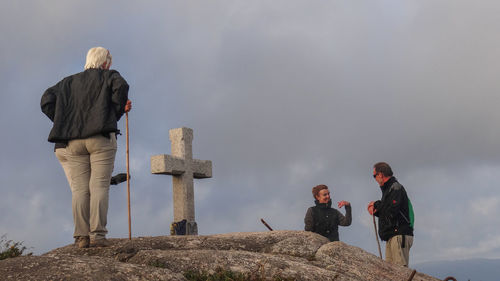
[128,179]
[376,236]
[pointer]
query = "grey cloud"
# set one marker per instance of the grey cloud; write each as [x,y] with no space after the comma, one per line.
[281,96]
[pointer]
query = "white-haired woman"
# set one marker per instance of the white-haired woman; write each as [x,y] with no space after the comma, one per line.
[85,108]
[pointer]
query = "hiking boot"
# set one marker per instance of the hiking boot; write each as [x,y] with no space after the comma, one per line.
[103,242]
[82,241]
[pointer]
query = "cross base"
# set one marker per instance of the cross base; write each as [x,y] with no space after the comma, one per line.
[191,228]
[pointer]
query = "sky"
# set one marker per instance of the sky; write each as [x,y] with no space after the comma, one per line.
[282,96]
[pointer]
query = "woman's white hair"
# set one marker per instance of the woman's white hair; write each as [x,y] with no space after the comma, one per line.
[96,57]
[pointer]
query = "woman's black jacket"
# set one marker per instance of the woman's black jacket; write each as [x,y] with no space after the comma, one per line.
[325,220]
[85,104]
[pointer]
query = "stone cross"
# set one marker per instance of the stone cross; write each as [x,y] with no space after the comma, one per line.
[183,168]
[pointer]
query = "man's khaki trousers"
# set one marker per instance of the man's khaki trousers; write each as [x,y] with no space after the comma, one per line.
[396,254]
[88,164]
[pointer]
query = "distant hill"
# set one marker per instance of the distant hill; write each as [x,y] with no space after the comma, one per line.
[473,269]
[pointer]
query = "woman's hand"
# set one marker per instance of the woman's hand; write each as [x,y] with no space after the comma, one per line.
[128,106]
[343,203]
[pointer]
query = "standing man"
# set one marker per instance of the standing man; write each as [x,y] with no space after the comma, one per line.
[85,108]
[393,214]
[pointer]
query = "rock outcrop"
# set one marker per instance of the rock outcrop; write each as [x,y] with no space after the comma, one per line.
[290,255]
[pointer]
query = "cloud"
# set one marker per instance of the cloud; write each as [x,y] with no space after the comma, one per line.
[480,249]
[282,96]
[484,206]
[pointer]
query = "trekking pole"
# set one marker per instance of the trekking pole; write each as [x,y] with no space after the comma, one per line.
[128,180]
[376,236]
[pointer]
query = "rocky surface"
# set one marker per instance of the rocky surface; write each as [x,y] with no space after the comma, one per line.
[291,255]
[69,267]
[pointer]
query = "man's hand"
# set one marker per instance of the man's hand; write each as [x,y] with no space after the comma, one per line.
[343,203]
[371,208]
[128,106]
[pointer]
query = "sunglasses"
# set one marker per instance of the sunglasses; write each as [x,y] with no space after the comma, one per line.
[375,175]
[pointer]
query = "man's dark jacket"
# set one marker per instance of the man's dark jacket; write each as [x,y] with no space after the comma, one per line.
[392,211]
[85,104]
[325,220]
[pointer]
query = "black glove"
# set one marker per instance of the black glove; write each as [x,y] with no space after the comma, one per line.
[116,179]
